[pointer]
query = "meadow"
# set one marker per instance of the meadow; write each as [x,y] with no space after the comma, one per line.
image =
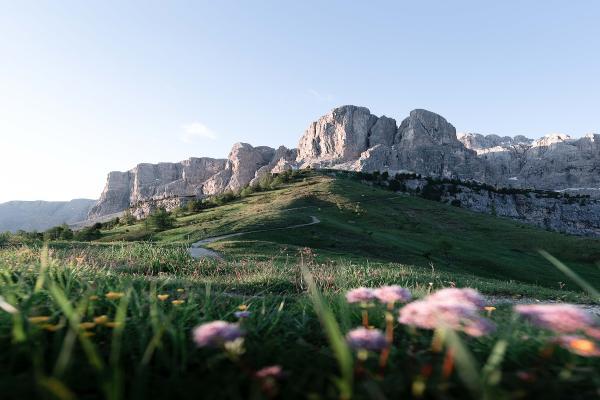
[116,318]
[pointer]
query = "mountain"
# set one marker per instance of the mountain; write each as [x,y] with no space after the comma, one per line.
[41,215]
[351,138]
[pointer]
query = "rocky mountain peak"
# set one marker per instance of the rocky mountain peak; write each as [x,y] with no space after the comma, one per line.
[351,137]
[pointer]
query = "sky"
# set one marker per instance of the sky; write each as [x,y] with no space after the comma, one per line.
[87,87]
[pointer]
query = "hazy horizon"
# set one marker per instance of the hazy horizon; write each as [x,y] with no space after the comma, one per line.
[91,88]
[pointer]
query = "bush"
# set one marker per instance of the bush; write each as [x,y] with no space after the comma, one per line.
[160,220]
[195,205]
[89,233]
[127,218]
[62,232]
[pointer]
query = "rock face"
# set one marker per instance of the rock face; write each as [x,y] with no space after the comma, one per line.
[170,185]
[41,215]
[549,210]
[351,138]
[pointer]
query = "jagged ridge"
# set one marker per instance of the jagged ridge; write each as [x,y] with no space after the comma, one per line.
[351,138]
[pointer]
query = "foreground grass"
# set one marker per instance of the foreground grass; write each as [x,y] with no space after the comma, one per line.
[147,352]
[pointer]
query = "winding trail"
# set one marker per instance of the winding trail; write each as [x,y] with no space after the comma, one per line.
[197,250]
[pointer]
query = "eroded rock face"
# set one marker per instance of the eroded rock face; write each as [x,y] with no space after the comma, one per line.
[350,137]
[338,136]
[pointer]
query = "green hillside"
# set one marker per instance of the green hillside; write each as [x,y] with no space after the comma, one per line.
[116,318]
[361,223]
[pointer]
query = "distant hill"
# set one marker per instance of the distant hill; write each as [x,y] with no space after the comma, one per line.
[41,215]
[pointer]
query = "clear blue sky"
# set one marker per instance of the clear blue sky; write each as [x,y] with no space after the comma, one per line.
[92,86]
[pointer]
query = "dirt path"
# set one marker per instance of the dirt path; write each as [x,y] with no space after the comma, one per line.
[197,250]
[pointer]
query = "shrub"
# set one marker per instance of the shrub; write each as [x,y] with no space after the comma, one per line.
[160,220]
[89,233]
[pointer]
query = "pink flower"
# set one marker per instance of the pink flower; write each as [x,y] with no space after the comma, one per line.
[579,345]
[216,333]
[479,327]
[360,295]
[366,339]
[392,294]
[273,371]
[467,295]
[560,318]
[456,309]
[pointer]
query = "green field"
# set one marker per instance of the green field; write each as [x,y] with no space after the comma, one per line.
[367,236]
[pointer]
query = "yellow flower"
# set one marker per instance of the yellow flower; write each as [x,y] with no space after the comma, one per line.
[51,327]
[177,302]
[112,324]
[181,290]
[39,319]
[242,307]
[114,295]
[489,309]
[93,297]
[101,319]
[87,325]
[580,345]
[163,297]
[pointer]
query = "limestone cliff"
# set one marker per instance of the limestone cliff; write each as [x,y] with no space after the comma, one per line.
[351,138]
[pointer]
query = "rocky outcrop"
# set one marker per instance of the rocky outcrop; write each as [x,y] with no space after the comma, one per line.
[154,181]
[170,185]
[351,138]
[337,137]
[578,215]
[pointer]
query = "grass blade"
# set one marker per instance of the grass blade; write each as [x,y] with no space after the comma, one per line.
[337,342]
[571,274]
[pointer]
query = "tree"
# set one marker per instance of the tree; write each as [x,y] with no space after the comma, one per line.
[127,218]
[160,220]
[89,233]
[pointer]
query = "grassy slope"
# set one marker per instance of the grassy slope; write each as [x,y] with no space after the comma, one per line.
[360,223]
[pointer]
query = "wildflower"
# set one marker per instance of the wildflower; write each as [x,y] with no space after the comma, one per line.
[273,371]
[452,308]
[93,297]
[215,333]
[180,290]
[392,294]
[366,339]
[489,309]
[7,307]
[466,295]
[560,318]
[112,324]
[38,320]
[101,319]
[242,307]
[579,345]
[242,314]
[479,327]
[163,297]
[52,327]
[87,325]
[360,295]
[114,295]
[177,302]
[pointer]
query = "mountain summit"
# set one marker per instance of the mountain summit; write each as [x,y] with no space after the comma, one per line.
[351,138]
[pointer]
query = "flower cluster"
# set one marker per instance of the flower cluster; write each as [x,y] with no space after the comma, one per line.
[452,308]
[216,333]
[384,294]
[559,318]
[565,320]
[366,339]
